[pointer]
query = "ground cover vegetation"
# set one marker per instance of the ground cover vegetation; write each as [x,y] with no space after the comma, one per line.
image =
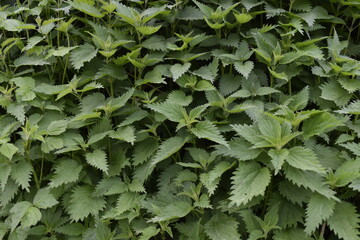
[219,120]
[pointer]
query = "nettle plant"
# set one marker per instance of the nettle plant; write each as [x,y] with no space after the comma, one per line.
[216,120]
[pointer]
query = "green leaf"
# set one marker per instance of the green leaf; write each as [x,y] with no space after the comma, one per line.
[148,30]
[278,158]
[82,203]
[239,149]
[209,131]
[8,192]
[249,180]
[332,91]
[318,210]
[126,201]
[5,170]
[244,68]
[300,100]
[211,178]
[174,210]
[206,10]
[82,54]
[18,111]
[291,233]
[60,52]
[310,180]
[179,97]
[353,147]
[25,90]
[57,127]
[44,199]
[128,14]
[346,173]
[352,108]
[110,186]
[319,123]
[262,91]
[190,13]
[126,133]
[97,159]
[168,148]
[177,70]
[86,8]
[144,150]
[8,150]
[222,227]
[208,72]
[32,60]
[66,171]
[345,221]
[71,229]
[173,112]
[155,43]
[21,173]
[305,159]
[24,213]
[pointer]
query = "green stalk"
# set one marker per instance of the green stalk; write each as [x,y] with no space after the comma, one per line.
[66,61]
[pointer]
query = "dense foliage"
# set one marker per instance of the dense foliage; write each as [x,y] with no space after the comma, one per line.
[219,120]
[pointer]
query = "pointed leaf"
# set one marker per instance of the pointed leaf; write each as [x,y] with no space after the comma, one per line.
[97,159]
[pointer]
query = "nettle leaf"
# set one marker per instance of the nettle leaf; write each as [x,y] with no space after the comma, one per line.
[346,173]
[300,100]
[319,123]
[60,51]
[148,30]
[66,171]
[222,227]
[310,180]
[82,54]
[208,72]
[190,13]
[249,180]
[18,111]
[84,7]
[305,159]
[244,68]
[97,159]
[332,91]
[57,127]
[174,210]
[144,150]
[24,213]
[168,148]
[5,170]
[21,174]
[238,148]
[278,158]
[211,179]
[291,233]
[353,147]
[82,203]
[318,210]
[25,90]
[179,97]
[44,199]
[125,133]
[30,60]
[173,112]
[352,108]
[209,131]
[345,221]
[177,70]
[8,150]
